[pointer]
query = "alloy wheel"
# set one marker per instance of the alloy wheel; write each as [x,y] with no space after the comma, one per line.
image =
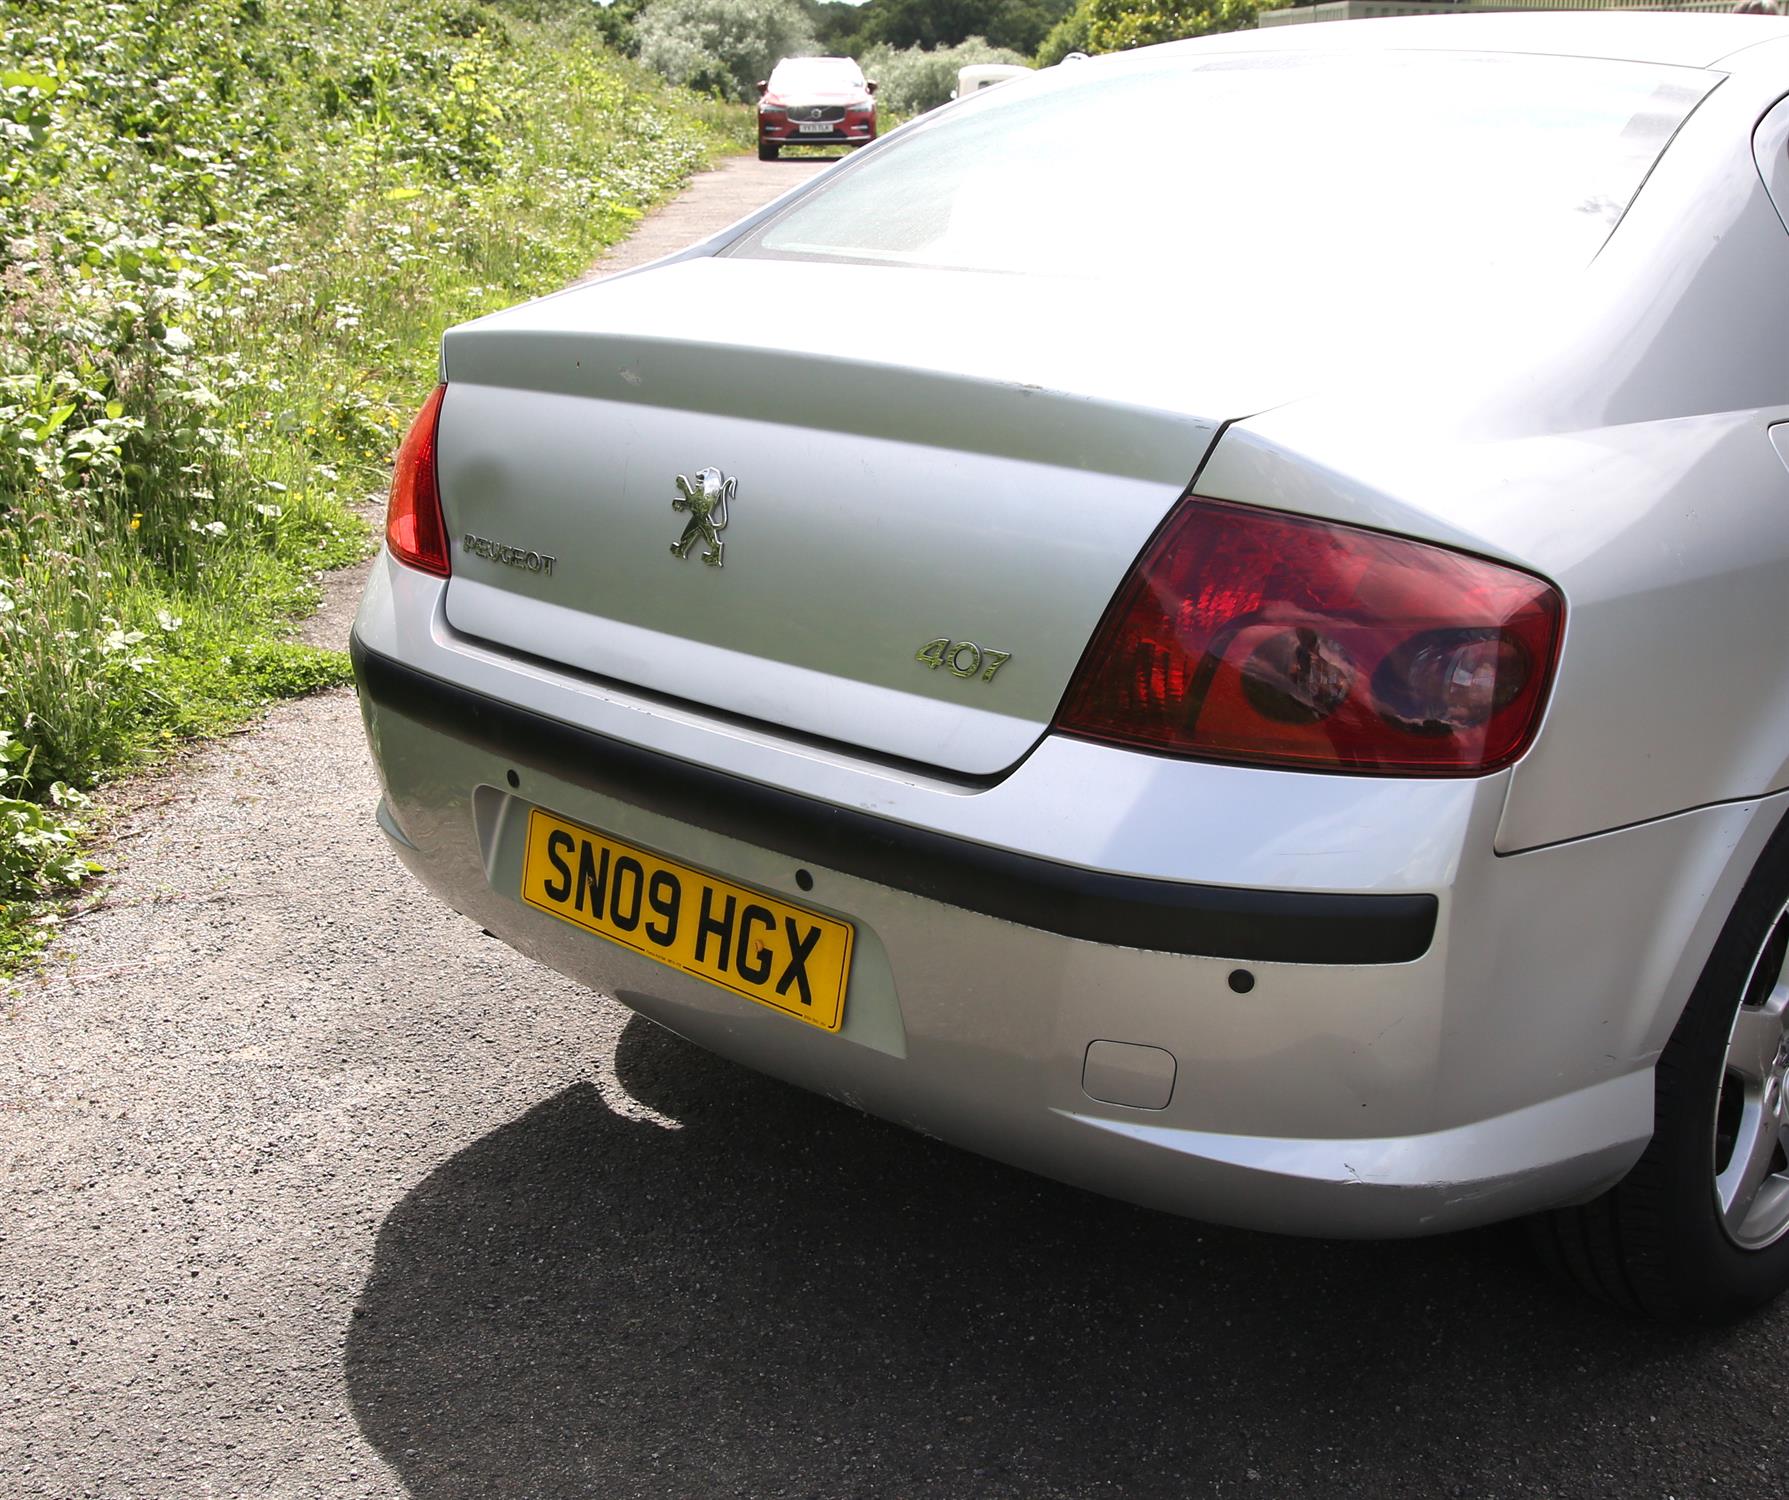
[1751,1146]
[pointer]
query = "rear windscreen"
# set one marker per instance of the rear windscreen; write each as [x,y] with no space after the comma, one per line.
[1203,170]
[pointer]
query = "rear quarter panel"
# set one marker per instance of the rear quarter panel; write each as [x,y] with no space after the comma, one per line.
[1617,441]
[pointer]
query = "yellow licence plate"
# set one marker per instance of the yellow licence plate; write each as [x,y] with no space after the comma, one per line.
[783,956]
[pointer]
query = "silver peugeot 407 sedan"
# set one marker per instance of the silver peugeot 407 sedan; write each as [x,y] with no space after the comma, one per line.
[1294,730]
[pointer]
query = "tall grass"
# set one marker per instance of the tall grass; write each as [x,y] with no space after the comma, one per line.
[230,234]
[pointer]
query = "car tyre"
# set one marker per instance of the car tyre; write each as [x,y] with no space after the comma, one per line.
[767,152]
[1689,1234]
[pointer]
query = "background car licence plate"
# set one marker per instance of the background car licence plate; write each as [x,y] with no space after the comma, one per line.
[816,127]
[779,955]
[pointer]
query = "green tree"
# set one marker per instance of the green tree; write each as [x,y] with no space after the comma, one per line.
[722,46]
[614,22]
[1016,24]
[1070,34]
[835,24]
[913,80]
[1117,25]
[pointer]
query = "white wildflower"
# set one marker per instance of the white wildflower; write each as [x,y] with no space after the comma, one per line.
[118,639]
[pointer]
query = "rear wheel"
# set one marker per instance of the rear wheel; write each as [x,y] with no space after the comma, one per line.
[1700,1227]
[766,151]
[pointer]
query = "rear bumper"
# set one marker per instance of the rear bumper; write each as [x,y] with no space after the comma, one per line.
[1484,1050]
[1165,916]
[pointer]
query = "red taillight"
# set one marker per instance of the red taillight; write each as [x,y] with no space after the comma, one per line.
[1248,635]
[414,530]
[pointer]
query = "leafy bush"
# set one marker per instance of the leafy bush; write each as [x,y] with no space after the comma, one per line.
[722,47]
[1070,34]
[836,24]
[1116,25]
[914,80]
[1019,24]
[615,24]
[230,234]
[39,852]
[37,843]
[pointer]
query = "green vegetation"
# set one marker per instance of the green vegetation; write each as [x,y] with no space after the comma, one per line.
[909,46]
[1070,34]
[1117,25]
[912,48]
[1043,30]
[230,234]
[39,853]
[722,47]
[1016,25]
[913,80]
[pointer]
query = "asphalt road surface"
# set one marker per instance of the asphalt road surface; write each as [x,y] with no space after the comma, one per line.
[310,1189]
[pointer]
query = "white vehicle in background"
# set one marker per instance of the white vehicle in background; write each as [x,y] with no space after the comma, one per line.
[978,76]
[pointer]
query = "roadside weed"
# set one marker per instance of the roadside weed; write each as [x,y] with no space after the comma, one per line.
[230,234]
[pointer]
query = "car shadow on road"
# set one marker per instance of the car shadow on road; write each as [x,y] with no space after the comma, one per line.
[746,1290]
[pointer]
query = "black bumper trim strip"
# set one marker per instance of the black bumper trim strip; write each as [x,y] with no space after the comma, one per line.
[1129,911]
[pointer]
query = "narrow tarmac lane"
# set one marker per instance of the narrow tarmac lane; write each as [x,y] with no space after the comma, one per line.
[310,1189]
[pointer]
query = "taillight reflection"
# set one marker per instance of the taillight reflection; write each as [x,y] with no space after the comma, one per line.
[1248,635]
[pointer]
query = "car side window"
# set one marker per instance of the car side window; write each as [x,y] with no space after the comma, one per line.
[1770,147]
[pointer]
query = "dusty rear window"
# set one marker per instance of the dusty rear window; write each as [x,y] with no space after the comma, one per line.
[1213,169]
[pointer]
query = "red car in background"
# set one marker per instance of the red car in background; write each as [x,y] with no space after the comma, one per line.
[814,101]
